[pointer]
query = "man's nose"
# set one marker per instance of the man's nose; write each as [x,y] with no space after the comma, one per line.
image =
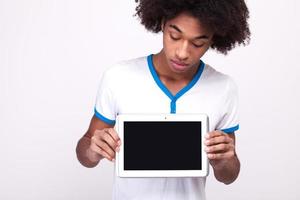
[182,51]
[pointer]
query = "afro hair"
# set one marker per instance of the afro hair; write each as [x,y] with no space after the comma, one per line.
[226,18]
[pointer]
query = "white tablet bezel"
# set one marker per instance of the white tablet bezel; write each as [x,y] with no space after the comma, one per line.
[160,173]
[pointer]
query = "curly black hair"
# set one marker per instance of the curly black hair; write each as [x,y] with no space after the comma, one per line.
[226,18]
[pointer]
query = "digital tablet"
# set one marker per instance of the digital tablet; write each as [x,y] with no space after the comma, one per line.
[161,145]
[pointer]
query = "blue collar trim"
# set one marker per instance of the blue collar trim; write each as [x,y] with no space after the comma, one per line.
[165,89]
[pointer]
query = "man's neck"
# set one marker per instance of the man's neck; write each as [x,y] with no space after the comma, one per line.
[163,70]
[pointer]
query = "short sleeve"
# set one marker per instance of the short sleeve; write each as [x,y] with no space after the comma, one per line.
[105,101]
[229,121]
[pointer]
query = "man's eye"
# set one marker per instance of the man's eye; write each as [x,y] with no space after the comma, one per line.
[174,38]
[198,45]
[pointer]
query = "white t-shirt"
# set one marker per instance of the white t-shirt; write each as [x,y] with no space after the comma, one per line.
[134,87]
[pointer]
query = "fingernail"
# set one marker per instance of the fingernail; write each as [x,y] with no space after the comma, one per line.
[113,160]
[117,149]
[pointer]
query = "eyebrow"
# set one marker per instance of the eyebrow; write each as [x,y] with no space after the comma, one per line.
[180,31]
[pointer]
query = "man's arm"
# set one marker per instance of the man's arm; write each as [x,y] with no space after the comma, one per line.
[220,148]
[100,141]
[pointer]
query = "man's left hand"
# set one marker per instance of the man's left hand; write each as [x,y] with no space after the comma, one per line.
[219,146]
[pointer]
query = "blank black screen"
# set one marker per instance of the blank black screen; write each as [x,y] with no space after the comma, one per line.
[162,145]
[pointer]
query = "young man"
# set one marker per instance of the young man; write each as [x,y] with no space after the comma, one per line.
[174,80]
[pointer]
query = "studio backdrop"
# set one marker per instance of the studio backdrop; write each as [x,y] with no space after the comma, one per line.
[52,55]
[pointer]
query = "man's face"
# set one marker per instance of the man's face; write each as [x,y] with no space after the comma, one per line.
[185,41]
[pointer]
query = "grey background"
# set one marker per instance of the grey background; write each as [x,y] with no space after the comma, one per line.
[52,55]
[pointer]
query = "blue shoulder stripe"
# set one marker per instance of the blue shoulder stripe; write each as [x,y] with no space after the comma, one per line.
[231,130]
[104,119]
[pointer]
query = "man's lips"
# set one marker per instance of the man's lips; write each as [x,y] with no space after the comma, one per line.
[179,63]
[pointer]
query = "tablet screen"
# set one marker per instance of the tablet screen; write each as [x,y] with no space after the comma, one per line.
[158,145]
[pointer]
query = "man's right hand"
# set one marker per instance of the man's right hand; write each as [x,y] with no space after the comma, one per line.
[104,144]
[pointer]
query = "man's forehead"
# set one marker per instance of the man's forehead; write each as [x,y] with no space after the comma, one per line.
[198,34]
[188,24]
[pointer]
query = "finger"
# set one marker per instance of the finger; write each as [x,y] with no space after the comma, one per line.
[219,156]
[109,131]
[106,137]
[114,135]
[218,140]
[100,141]
[213,134]
[219,148]
[101,152]
[105,147]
